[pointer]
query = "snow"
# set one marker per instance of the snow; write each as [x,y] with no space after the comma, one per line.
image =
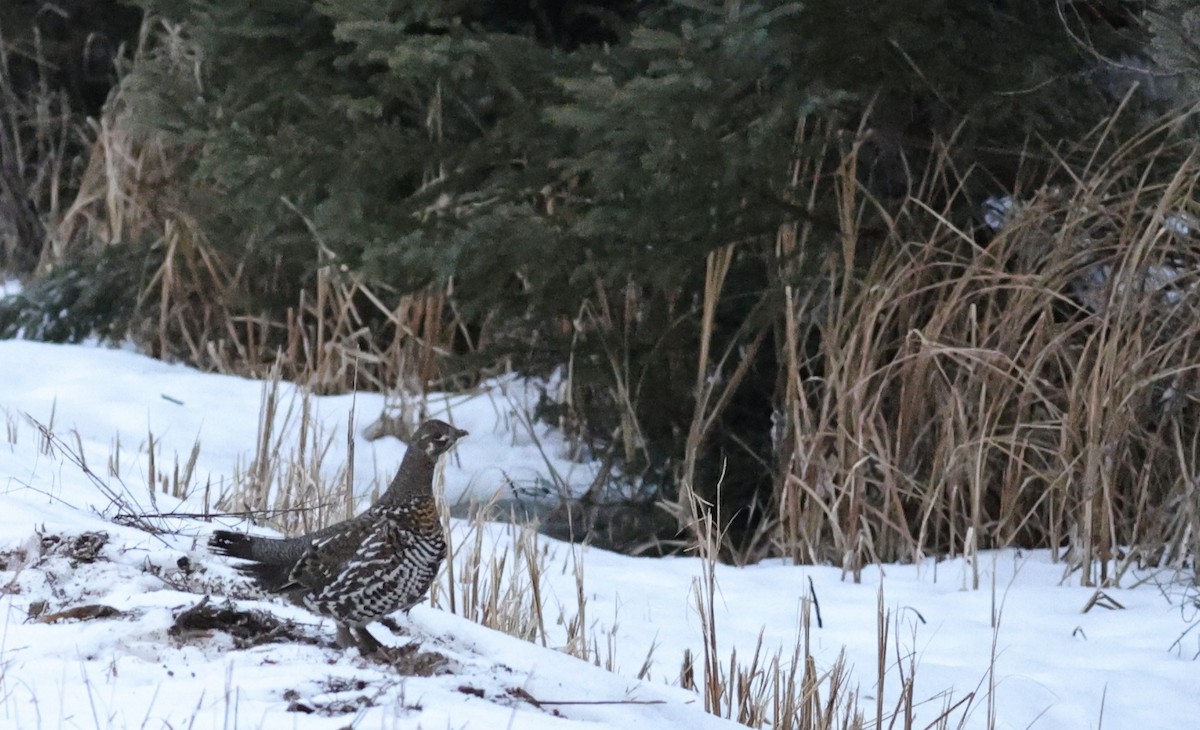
[1054,665]
[108,396]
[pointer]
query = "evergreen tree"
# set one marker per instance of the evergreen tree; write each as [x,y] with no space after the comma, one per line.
[570,166]
[57,64]
[1175,27]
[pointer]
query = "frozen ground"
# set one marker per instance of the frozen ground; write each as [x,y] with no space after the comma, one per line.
[62,666]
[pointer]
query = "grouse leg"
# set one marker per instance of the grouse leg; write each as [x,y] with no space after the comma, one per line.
[392,625]
[367,643]
[345,639]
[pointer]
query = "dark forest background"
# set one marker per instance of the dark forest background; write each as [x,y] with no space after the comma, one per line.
[750,237]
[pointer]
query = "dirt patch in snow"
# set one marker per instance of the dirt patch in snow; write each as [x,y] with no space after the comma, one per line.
[246,627]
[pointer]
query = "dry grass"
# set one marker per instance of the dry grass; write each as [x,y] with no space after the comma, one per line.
[961,393]
[785,688]
[290,483]
[38,133]
[1036,387]
[498,578]
[129,189]
[1037,390]
[498,586]
[339,335]
[507,577]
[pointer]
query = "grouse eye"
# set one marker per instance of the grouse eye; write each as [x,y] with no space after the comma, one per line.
[436,443]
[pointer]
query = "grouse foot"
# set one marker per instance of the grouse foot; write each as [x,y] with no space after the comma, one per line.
[348,636]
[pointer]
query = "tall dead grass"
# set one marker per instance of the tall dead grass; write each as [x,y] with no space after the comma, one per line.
[1038,388]
[1032,387]
[339,334]
[38,133]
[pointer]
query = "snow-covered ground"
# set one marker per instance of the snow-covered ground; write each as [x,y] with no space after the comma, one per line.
[1055,665]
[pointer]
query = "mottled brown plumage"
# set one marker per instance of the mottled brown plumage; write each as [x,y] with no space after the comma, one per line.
[362,569]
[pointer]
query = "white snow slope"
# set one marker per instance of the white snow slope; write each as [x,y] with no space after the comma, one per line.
[1055,665]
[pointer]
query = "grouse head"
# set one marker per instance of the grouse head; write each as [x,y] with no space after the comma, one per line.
[435,438]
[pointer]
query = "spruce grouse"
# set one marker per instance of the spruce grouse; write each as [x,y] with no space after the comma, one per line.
[367,567]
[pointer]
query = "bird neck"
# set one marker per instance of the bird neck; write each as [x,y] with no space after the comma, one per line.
[413,479]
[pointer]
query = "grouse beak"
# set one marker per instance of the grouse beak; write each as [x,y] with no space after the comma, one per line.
[459,433]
